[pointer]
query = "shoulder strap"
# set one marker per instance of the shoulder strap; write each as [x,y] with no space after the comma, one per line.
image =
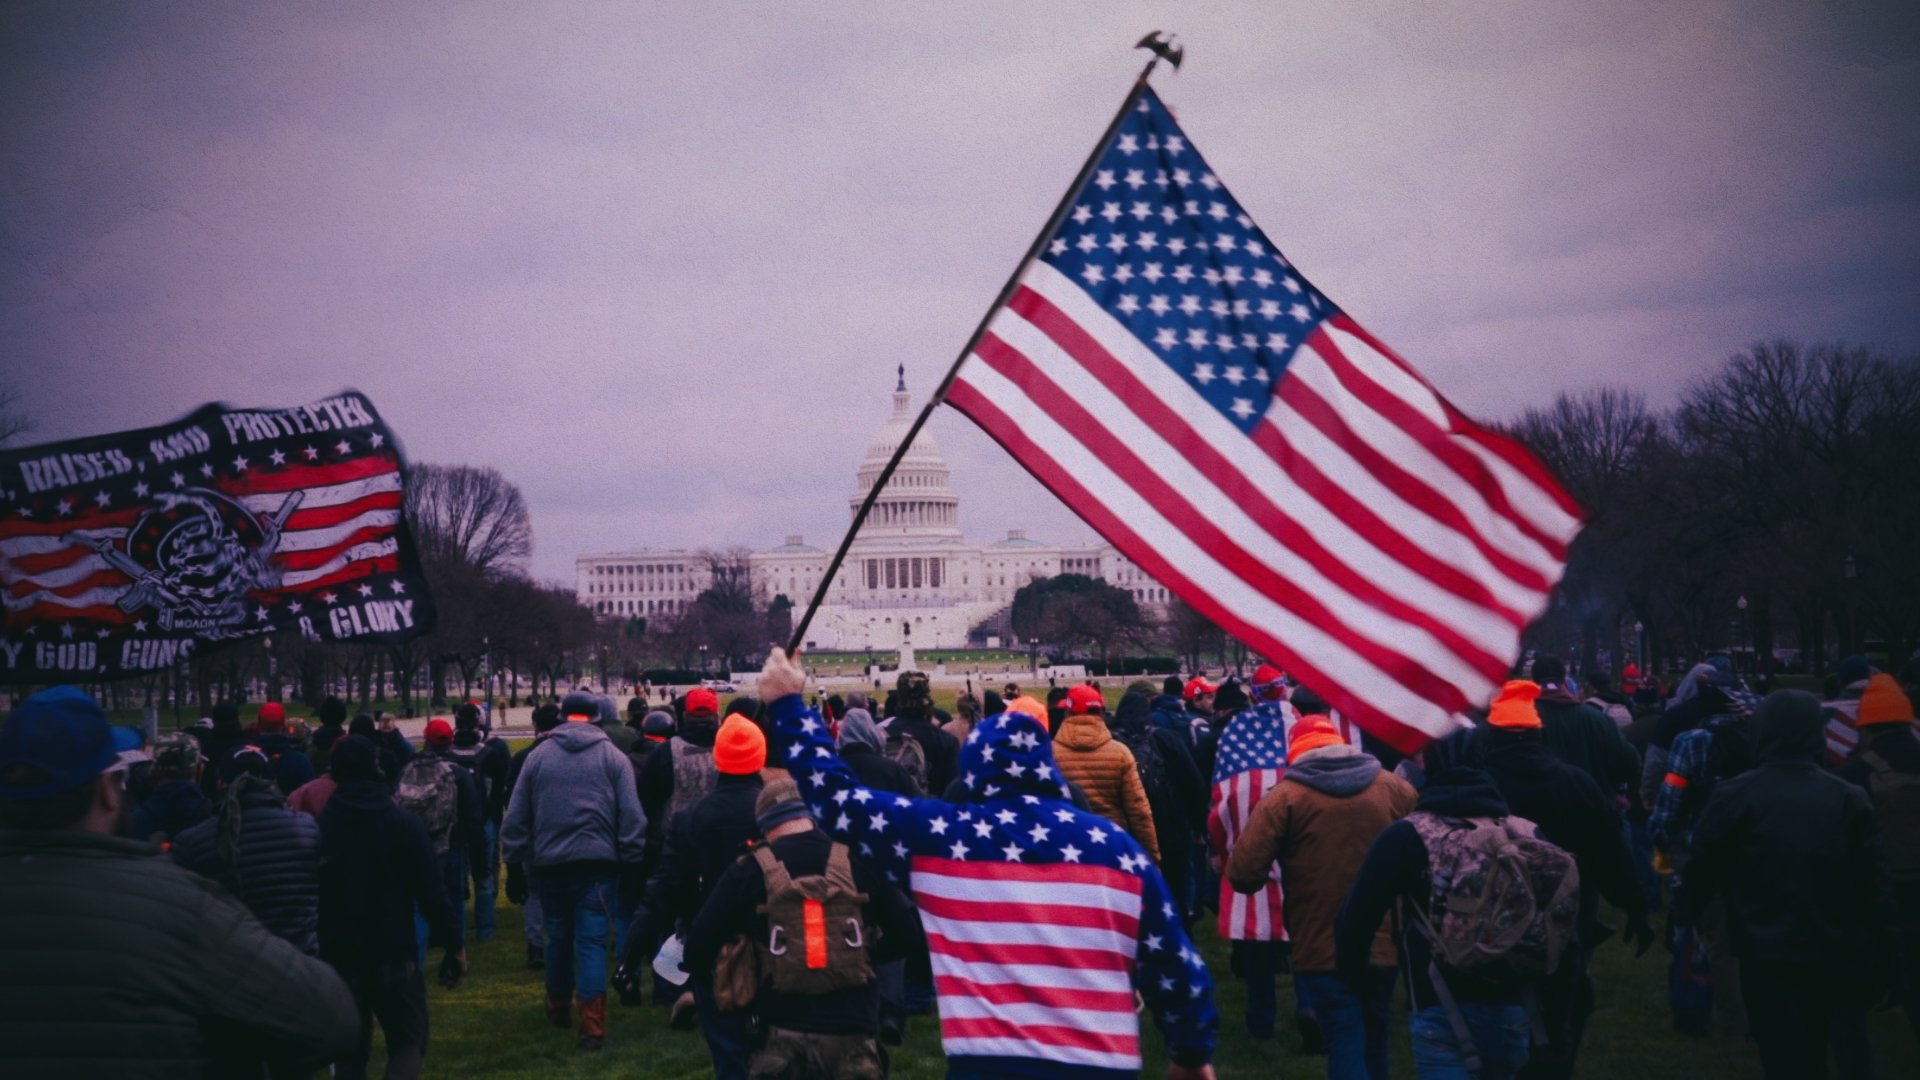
[1879,764]
[778,880]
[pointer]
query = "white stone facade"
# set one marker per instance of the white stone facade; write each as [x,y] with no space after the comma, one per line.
[910,578]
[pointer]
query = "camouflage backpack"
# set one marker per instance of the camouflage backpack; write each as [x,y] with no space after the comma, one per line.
[1499,893]
[429,791]
[694,774]
[816,931]
[905,751]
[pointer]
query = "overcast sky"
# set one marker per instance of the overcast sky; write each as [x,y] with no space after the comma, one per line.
[658,267]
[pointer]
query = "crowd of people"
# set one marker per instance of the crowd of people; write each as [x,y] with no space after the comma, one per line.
[798,877]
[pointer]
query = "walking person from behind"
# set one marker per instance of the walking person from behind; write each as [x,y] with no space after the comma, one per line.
[575,821]
[136,960]
[818,924]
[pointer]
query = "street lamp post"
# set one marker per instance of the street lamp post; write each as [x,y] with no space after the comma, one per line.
[1033,654]
[1640,646]
[1746,643]
[703,660]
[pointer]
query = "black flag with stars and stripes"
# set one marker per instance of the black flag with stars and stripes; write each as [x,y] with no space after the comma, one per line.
[128,553]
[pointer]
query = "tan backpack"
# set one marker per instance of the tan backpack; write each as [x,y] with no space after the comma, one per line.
[816,932]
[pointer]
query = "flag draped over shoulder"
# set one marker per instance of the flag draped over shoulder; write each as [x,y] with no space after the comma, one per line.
[1179,384]
[1251,758]
[128,553]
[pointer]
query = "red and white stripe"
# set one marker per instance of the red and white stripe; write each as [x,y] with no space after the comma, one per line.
[1257,916]
[343,530]
[1033,960]
[1366,536]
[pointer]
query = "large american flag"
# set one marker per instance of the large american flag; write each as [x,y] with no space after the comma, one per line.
[1178,383]
[223,525]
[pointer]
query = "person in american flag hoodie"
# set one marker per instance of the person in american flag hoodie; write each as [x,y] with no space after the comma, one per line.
[1252,758]
[1042,920]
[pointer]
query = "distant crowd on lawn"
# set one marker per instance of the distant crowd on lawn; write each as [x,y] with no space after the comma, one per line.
[798,877]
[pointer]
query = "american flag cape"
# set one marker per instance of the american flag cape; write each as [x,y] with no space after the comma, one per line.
[1042,920]
[128,553]
[1252,757]
[1179,384]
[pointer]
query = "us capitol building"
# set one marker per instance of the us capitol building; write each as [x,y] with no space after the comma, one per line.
[911,577]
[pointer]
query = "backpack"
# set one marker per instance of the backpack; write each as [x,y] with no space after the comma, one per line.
[1151,759]
[694,774]
[905,751]
[1729,753]
[469,756]
[1896,802]
[1500,893]
[429,791]
[816,930]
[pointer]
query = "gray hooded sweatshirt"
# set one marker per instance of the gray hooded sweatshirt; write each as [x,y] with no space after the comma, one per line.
[575,803]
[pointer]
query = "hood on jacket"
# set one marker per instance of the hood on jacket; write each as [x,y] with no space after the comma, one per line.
[858,729]
[1789,725]
[361,797]
[1132,715]
[1083,732]
[1008,755]
[576,737]
[1461,791]
[1339,771]
[1168,711]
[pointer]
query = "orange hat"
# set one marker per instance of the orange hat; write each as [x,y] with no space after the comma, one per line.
[702,702]
[739,747]
[439,733]
[1884,703]
[1027,705]
[1513,706]
[1311,732]
[1086,699]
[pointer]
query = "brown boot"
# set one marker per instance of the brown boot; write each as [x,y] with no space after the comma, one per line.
[593,1023]
[560,1011]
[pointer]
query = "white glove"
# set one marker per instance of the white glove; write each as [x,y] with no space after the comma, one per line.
[781,676]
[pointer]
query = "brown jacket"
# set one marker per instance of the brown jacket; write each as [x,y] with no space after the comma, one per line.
[1105,771]
[1320,838]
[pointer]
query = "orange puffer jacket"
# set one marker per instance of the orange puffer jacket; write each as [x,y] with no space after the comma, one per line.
[1105,771]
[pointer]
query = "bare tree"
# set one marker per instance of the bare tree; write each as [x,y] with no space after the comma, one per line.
[469,516]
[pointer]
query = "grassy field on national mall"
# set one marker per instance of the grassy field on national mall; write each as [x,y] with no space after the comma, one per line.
[492,1026]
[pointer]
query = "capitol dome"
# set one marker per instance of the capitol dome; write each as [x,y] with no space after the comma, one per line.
[918,502]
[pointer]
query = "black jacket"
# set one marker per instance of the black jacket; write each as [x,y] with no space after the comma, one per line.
[275,871]
[1396,870]
[376,864]
[730,911]
[1572,813]
[1181,802]
[1793,848]
[1587,739]
[489,760]
[877,770]
[942,749]
[655,777]
[170,808]
[120,963]
[702,842]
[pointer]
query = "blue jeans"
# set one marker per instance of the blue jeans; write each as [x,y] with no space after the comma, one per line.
[486,891]
[533,920]
[1500,1033]
[1259,963]
[1353,1022]
[453,878]
[580,913]
[727,1037]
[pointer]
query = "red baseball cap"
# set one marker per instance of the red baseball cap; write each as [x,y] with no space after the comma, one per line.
[439,733]
[273,717]
[1198,685]
[1086,699]
[1266,675]
[703,702]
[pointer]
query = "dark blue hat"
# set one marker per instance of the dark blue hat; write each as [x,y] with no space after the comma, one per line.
[62,733]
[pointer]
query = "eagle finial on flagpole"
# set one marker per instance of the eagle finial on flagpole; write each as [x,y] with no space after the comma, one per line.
[1161,44]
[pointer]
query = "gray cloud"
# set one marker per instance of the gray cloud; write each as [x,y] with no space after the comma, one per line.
[658,267]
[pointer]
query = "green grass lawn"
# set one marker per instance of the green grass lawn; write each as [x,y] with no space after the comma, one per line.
[492,1025]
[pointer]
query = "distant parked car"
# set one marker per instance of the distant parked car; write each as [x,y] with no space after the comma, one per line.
[718,686]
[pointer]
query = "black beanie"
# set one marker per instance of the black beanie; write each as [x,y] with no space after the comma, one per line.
[354,760]
[1173,686]
[1230,698]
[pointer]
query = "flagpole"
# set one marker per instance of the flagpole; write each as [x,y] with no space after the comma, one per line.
[1006,293]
